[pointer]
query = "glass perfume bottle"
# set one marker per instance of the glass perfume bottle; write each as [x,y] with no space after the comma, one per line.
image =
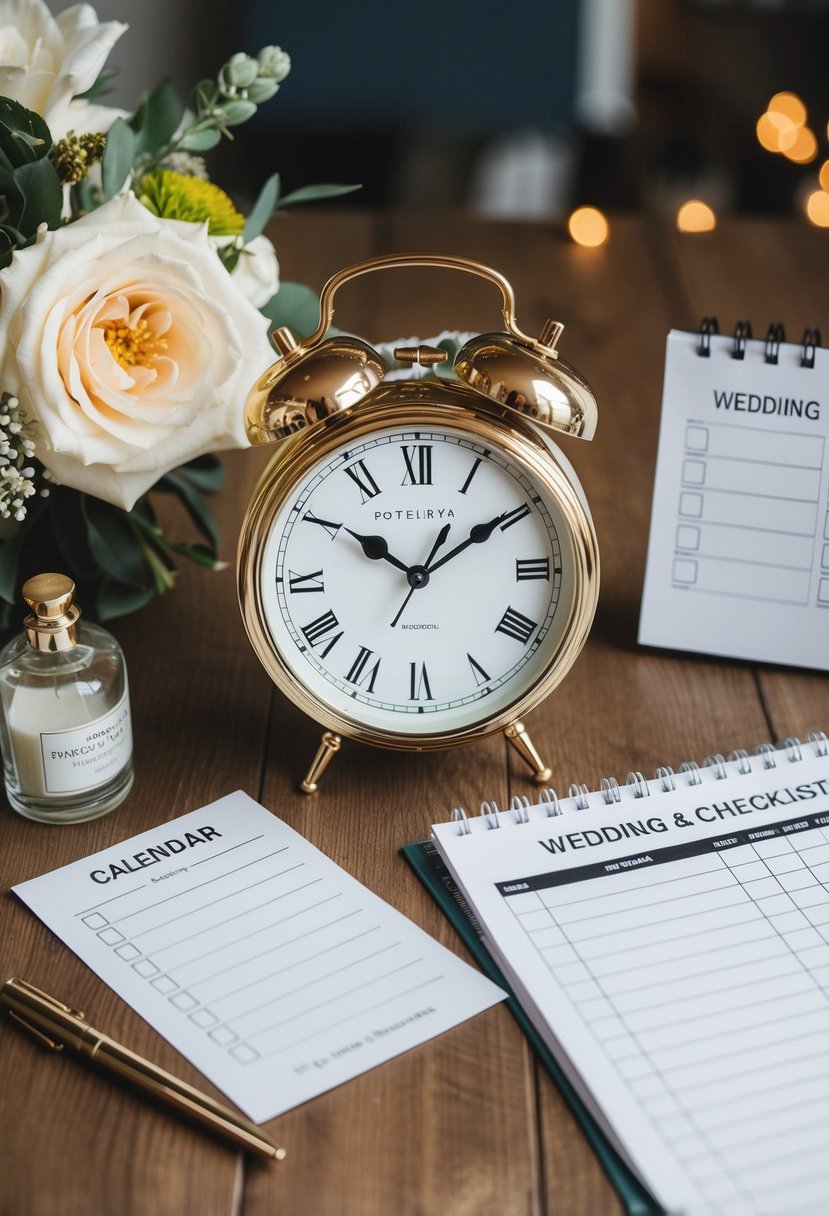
[65,726]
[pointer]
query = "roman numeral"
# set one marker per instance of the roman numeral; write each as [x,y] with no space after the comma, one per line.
[514,516]
[330,527]
[532,567]
[419,683]
[363,480]
[517,626]
[481,676]
[359,675]
[305,582]
[422,474]
[470,475]
[316,632]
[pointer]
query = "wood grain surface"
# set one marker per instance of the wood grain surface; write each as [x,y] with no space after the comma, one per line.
[468,1124]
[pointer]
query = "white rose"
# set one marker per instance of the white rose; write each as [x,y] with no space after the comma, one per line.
[45,61]
[130,345]
[256,273]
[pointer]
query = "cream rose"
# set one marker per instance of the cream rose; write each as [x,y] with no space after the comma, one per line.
[130,345]
[45,61]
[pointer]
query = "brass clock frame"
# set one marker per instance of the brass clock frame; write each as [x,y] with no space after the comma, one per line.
[419,405]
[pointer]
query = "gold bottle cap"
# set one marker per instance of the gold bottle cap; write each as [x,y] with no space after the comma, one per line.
[53,625]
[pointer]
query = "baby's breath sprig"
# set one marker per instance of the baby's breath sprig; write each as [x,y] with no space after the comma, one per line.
[17,449]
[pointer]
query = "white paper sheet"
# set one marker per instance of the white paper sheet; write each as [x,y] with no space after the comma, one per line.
[738,559]
[674,952]
[265,964]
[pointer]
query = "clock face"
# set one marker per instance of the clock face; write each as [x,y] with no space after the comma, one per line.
[417,581]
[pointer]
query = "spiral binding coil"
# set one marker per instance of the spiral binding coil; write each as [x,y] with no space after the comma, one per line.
[775,337]
[665,780]
[742,332]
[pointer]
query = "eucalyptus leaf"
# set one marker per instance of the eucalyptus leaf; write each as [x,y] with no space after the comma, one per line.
[262,209]
[235,112]
[157,120]
[310,194]
[295,306]
[194,504]
[200,141]
[112,541]
[119,154]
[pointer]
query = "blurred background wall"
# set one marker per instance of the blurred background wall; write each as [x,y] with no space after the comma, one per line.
[522,108]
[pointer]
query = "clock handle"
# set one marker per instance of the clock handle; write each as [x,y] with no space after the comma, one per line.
[545,344]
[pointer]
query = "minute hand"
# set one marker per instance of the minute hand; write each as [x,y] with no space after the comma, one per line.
[477,535]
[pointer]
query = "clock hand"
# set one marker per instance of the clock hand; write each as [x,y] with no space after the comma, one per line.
[418,576]
[377,550]
[477,535]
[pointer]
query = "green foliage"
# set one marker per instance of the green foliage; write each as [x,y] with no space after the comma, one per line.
[30,191]
[119,154]
[156,121]
[295,306]
[118,559]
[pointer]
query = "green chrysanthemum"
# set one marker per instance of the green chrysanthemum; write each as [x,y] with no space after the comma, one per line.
[176,196]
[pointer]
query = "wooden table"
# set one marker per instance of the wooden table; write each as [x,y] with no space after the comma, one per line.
[467,1123]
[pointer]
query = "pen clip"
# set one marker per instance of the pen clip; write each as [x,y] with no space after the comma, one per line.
[18,985]
[38,1034]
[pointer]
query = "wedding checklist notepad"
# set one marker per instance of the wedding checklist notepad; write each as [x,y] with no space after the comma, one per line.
[670,943]
[268,966]
[738,559]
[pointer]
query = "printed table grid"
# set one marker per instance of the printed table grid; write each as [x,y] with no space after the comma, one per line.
[706,984]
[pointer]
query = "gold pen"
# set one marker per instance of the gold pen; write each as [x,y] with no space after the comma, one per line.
[58,1027]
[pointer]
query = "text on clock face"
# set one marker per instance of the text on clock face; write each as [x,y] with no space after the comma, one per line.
[428,604]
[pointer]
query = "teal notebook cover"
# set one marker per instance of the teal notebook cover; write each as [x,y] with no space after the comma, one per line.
[428,865]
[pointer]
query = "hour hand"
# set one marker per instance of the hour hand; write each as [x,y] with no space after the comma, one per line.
[376,549]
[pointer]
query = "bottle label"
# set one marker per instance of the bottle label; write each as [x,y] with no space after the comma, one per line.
[90,755]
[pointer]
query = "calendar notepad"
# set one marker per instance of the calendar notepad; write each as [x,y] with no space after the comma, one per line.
[738,559]
[669,940]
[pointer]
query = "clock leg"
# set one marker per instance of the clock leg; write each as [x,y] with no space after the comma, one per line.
[329,745]
[517,734]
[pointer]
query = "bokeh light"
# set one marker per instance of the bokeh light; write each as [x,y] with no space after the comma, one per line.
[775,132]
[817,208]
[804,148]
[823,176]
[587,226]
[695,216]
[789,106]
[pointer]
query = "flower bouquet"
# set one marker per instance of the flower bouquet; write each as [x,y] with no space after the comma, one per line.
[135,307]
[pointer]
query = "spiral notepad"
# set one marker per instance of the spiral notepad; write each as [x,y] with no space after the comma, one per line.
[669,941]
[738,558]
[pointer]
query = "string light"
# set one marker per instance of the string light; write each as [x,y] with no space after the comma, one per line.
[587,226]
[695,216]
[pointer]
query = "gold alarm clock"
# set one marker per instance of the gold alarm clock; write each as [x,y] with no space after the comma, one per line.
[417,566]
